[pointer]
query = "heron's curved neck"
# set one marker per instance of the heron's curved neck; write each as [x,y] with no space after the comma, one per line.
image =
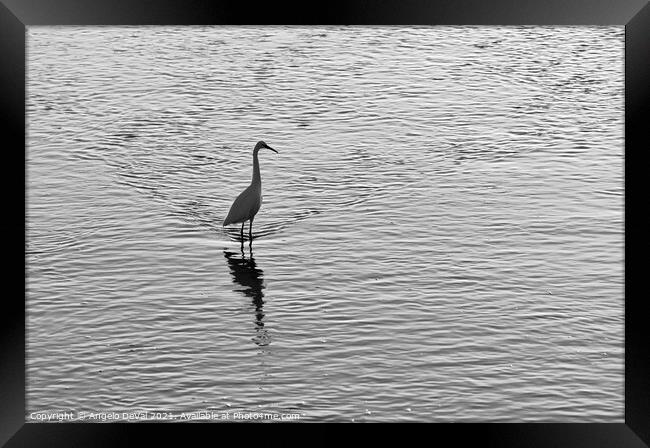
[257,179]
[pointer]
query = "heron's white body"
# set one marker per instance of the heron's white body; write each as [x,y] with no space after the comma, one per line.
[246,205]
[249,201]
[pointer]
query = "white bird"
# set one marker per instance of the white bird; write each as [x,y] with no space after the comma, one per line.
[249,201]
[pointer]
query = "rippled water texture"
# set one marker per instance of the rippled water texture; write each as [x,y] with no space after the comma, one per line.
[441,237]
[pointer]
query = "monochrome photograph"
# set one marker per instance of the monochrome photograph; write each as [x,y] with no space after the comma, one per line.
[325,224]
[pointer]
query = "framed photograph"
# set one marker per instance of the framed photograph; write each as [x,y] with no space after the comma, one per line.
[366,213]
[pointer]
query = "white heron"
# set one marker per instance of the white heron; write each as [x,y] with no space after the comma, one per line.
[249,201]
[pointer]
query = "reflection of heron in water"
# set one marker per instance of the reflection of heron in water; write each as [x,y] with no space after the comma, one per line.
[245,273]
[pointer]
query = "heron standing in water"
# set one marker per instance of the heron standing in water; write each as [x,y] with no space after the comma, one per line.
[249,201]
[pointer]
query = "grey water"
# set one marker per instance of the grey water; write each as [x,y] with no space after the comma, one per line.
[441,237]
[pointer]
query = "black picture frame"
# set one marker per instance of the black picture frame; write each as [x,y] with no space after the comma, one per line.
[16,15]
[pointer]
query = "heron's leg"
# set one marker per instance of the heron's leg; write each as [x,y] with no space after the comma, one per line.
[250,232]
[242,231]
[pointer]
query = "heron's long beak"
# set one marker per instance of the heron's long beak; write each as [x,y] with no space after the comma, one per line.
[268,147]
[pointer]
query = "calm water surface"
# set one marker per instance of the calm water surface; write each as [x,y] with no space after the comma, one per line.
[441,237]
